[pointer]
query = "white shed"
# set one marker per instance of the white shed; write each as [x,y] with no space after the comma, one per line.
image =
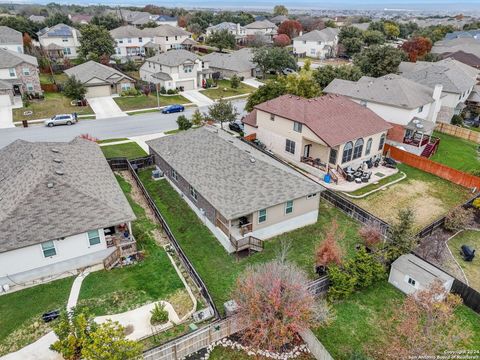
[409,273]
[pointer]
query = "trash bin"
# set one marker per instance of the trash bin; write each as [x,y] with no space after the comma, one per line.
[327,178]
[24,123]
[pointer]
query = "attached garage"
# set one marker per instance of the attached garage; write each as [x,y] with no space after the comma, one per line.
[5,100]
[98,91]
[186,84]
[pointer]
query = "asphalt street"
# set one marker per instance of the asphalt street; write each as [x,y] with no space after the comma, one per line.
[115,127]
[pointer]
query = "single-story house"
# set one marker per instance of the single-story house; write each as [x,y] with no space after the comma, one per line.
[61,209]
[237,190]
[409,274]
[101,80]
[237,63]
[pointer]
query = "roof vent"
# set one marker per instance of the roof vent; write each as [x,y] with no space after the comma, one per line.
[57,160]
[59,172]
[252,160]
[55,150]
[50,185]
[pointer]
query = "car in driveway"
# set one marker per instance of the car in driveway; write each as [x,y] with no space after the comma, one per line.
[288,71]
[173,109]
[236,126]
[61,119]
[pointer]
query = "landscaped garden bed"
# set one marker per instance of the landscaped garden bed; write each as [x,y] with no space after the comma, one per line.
[224,89]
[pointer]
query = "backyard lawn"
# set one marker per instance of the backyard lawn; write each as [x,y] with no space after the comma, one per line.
[470,268]
[54,103]
[127,103]
[129,150]
[428,195]
[216,267]
[225,89]
[356,326]
[457,153]
[21,322]
[48,78]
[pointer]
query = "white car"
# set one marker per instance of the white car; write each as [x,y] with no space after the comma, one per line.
[62,119]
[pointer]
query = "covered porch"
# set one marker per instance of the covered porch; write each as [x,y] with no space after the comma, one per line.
[239,231]
[418,137]
[120,238]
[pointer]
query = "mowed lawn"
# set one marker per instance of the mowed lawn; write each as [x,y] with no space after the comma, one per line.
[357,325]
[129,150]
[216,267]
[53,104]
[457,153]
[225,89]
[428,195]
[470,268]
[52,79]
[127,103]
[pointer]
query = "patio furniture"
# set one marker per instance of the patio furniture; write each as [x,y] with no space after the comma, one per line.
[357,174]
[350,177]
[358,180]
[369,163]
[467,253]
[376,163]
[366,177]
[390,163]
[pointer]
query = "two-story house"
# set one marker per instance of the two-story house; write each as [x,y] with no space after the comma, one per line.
[169,37]
[409,107]
[320,44]
[176,69]
[457,79]
[236,30]
[60,40]
[264,28]
[18,74]
[11,39]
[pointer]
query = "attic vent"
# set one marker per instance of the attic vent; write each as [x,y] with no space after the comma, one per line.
[247,151]
[252,160]
[55,150]
[59,172]
[50,185]
[58,161]
[230,141]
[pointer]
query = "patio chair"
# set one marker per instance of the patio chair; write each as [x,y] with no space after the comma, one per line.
[376,163]
[350,177]
[366,177]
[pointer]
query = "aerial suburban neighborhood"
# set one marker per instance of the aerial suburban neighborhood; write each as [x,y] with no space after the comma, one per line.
[236,180]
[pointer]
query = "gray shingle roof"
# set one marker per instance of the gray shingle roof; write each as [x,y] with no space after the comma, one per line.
[160,31]
[162,76]
[389,89]
[167,30]
[92,69]
[239,61]
[452,74]
[59,30]
[261,24]
[37,18]
[10,36]
[127,31]
[223,26]
[85,194]
[327,34]
[174,57]
[221,169]
[10,58]
[468,45]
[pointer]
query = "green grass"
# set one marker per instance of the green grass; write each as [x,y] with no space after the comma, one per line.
[225,90]
[216,267]
[106,141]
[53,104]
[163,337]
[22,308]
[372,187]
[140,112]
[48,78]
[129,150]
[457,153]
[121,289]
[356,325]
[470,268]
[127,103]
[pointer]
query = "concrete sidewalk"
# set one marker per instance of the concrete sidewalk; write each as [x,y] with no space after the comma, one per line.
[253,83]
[6,117]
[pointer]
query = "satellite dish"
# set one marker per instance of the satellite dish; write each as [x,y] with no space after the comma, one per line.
[420,126]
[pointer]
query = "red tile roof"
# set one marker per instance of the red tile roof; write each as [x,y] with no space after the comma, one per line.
[333,118]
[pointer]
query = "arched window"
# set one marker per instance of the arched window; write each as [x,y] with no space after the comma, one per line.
[382,142]
[357,151]
[347,152]
[369,147]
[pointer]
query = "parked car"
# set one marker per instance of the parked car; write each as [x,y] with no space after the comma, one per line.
[173,109]
[61,119]
[236,126]
[288,71]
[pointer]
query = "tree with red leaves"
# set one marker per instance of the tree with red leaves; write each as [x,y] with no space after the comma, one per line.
[182,21]
[281,40]
[417,47]
[105,59]
[371,234]
[424,325]
[329,252]
[274,304]
[291,28]
[27,41]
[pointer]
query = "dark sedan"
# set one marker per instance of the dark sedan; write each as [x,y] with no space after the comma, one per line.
[173,109]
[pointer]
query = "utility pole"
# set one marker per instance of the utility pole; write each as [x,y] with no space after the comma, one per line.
[158,97]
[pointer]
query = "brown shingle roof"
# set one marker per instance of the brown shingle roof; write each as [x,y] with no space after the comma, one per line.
[251,118]
[333,118]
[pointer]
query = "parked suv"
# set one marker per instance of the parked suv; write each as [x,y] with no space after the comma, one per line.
[62,119]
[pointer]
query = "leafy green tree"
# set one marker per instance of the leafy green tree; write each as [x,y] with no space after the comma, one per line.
[280,10]
[197,117]
[273,59]
[222,111]
[108,21]
[235,81]
[330,23]
[372,37]
[379,60]
[435,32]
[183,123]
[376,26]
[222,39]
[95,42]
[149,25]
[366,269]
[303,84]
[391,30]
[57,18]
[326,74]
[271,90]
[349,32]
[407,29]
[351,38]
[402,235]
[342,284]
[74,89]
[21,24]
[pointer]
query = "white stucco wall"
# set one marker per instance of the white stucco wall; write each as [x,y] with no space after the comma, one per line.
[68,42]
[170,42]
[13,47]
[314,49]
[124,43]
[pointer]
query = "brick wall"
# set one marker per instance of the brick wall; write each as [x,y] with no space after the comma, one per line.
[32,78]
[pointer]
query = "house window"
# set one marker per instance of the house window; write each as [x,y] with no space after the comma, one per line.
[297,127]
[174,175]
[188,68]
[30,87]
[48,249]
[120,41]
[126,86]
[140,40]
[290,146]
[382,142]
[65,40]
[363,102]
[26,71]
[262,215]
[93,237]
[311,196]
[67,51]
[272,117]
[347,152]
[12,72]
[289,207]
[19,49]
[333,156]
[357,151]
[193,193]
[176,37]
[411,281]
[166,38]
[420,109]
[369,147]
[312,52]
[129,40]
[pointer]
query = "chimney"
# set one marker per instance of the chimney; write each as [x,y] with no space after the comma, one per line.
[437,103]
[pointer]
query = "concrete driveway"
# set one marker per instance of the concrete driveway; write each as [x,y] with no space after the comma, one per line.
[6,117]
[197,98]
[253,82]
[105,107]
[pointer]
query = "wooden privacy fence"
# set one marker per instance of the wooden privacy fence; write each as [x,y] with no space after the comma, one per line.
[471,297]
[432,167]
[458,131]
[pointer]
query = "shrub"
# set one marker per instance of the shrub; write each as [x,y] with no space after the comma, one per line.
[234,82]
[457,219]
[342,284]
[162,90]
[209,83]
[171,91]
[197,117]
[183,123]
[476,203]
[457,120]
[159,314]
[370,234]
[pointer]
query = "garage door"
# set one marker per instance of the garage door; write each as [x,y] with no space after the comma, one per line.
[97,91]
[5,100]
[187,84]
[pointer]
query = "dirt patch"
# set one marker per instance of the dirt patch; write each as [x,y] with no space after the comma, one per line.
[181,302]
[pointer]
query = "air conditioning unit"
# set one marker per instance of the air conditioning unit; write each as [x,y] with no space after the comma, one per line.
[157,174]
[203,315]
